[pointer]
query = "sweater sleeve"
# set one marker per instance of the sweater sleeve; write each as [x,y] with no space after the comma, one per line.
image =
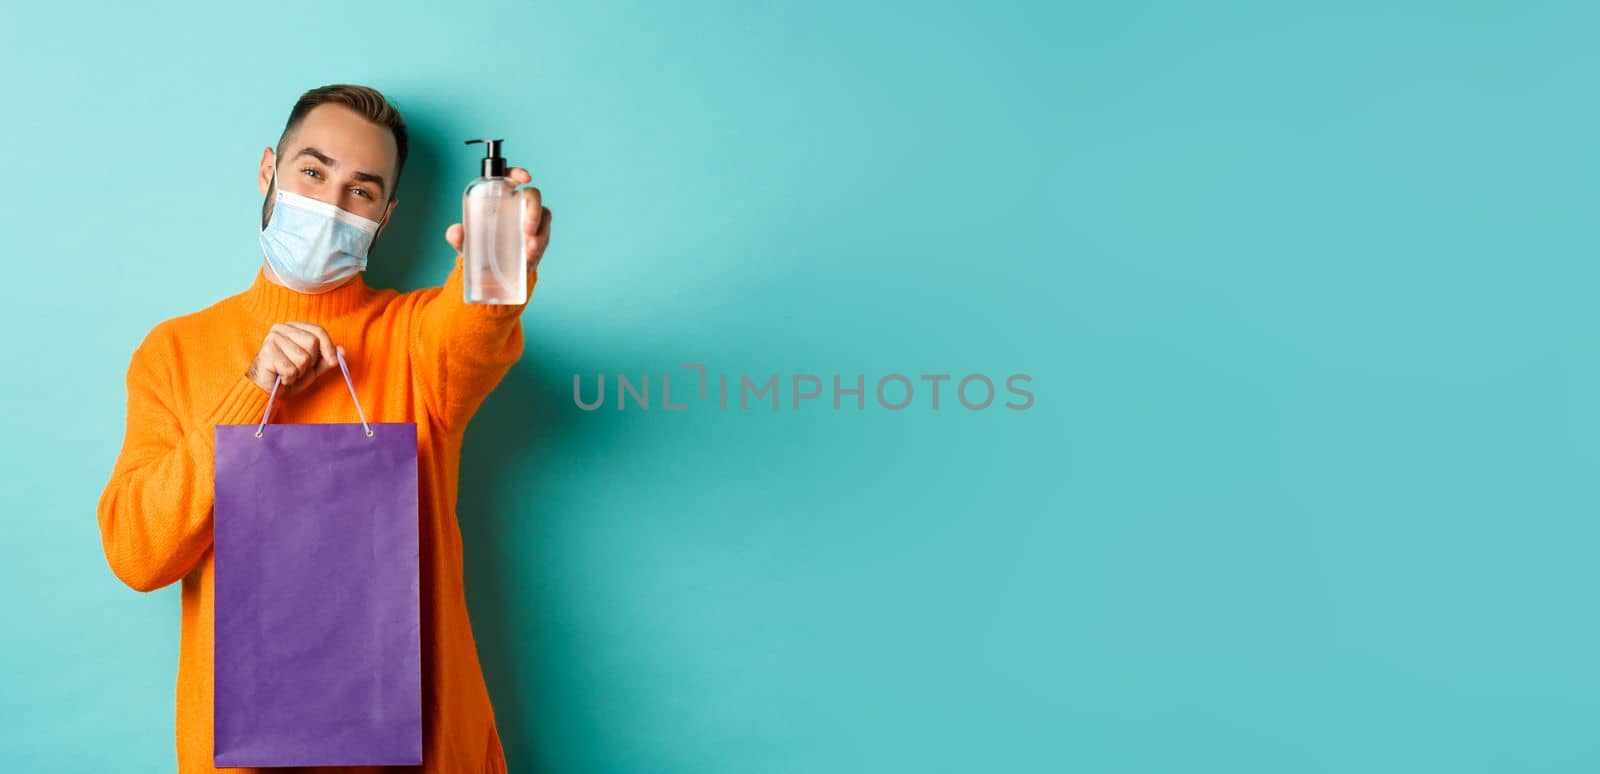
[461,351]
[156,511]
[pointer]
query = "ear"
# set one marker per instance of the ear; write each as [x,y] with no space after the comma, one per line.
[264,170]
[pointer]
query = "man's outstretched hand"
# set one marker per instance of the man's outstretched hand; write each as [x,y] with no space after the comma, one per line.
[535,220]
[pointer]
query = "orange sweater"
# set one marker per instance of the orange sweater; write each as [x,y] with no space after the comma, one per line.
[422,356]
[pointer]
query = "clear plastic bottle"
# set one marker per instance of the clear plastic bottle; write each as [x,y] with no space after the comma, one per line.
[492,251]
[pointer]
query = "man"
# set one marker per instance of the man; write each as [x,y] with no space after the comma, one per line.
[424,356]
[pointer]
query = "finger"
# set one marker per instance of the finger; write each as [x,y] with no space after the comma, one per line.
[519,175]
[330,363]
[298,354]
[537,244]
[324,342]
[303,358]
[453,236]
[543,237]
[532,209]
[276,362]
[306,377]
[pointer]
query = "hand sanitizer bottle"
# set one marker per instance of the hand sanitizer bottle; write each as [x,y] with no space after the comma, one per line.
[493,257]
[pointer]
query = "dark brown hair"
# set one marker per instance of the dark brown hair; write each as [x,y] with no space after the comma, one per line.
[369,103]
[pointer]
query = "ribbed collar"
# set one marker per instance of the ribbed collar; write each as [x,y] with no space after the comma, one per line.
[271,302]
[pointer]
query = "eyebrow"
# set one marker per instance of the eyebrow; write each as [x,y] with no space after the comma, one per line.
[366,177]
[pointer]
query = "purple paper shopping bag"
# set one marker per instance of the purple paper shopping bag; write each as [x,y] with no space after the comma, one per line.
[318,636]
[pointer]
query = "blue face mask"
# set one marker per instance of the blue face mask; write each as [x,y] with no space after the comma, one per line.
[313,245]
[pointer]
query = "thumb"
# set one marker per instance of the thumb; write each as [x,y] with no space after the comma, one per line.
[453,236]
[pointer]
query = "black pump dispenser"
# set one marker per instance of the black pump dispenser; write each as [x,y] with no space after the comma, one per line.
[493,164]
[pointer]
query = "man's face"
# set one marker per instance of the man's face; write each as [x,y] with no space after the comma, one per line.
[335,156]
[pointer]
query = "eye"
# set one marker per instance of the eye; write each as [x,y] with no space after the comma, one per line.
[312,172]
[363,193]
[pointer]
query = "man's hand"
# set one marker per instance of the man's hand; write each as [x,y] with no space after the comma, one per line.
[535,220]
[299,352]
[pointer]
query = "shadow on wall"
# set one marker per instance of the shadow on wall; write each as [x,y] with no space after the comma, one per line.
[411,253]
[523,425]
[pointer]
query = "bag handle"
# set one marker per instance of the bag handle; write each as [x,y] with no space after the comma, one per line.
[339,351]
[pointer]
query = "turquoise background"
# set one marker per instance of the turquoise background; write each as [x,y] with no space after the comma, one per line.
[1306,292]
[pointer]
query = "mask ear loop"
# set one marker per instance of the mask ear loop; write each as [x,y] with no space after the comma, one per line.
[374,241]
[339,351]
[272,186]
